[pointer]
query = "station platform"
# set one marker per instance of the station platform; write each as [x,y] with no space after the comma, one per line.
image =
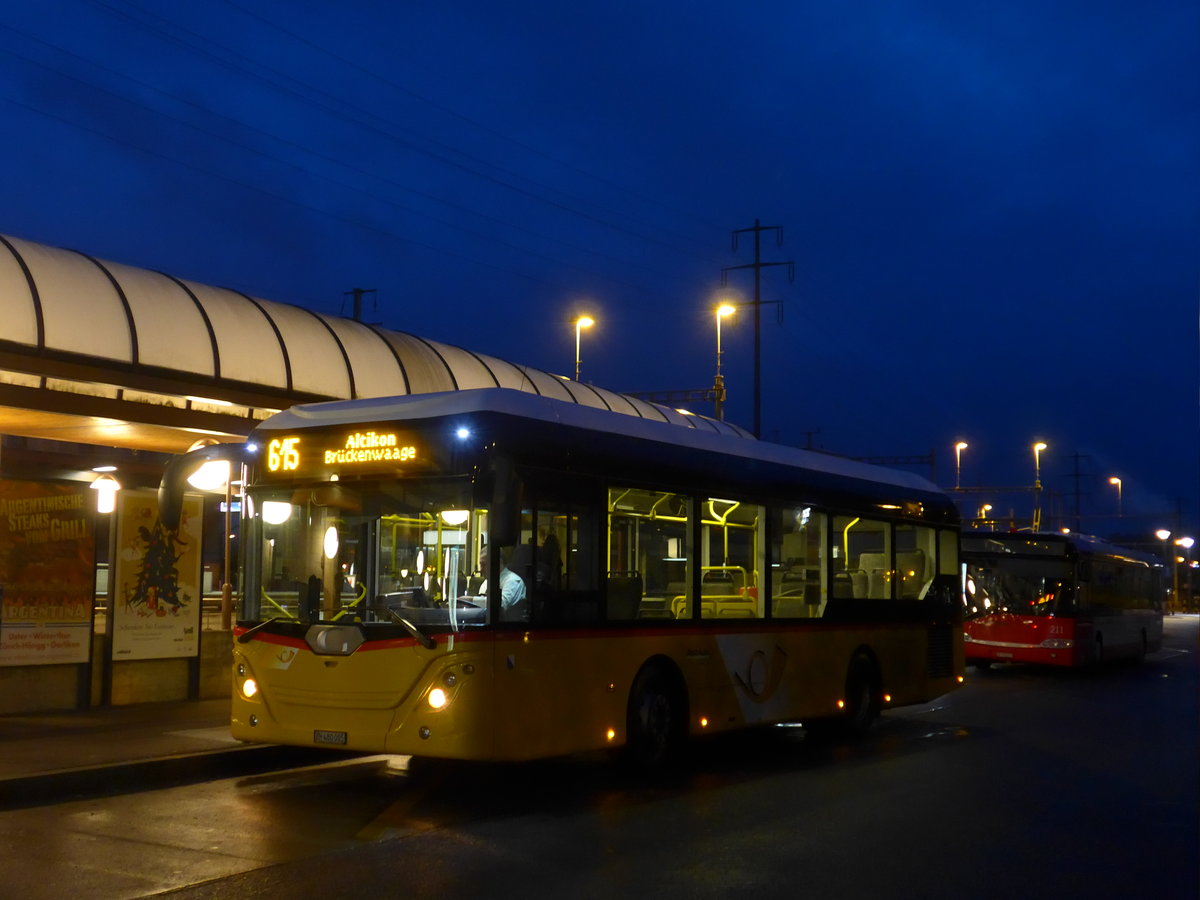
[45,757]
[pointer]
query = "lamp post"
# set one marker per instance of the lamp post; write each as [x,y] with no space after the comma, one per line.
[1038,447]
[958,449]
[1164,535]
[1116,482]
[1184,543]
[725,309]
[216,476]
[581,323]
[1037,463]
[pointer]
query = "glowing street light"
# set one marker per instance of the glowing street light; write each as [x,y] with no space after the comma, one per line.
[1186,543]
[106,488]
[1116,482]
[581,323]
[1164,535]
[725,309]
[1037,463]
[1038,447]
[958,449]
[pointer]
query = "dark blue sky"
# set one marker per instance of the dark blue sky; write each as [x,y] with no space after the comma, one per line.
[993,209]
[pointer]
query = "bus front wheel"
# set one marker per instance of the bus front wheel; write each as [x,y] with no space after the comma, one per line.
[655,720]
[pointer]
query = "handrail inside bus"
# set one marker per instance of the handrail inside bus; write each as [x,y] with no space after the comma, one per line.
[269,599]
[362,595]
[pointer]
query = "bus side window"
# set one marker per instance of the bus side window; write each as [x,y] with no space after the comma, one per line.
[649,554]
[563,569]
[948,551]
[862,554]
[730,552]
[798,563]
[916,553]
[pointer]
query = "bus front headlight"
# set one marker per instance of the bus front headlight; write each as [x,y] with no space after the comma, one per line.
[249,688]
[437,698]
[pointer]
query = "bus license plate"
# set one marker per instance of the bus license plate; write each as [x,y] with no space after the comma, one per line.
[329,737]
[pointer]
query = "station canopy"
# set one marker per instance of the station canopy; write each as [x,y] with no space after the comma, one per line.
[96,352]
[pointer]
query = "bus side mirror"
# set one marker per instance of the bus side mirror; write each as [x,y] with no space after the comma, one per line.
[506,503]
[174,483]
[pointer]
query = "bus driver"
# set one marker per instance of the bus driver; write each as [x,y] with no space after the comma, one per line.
[512,589]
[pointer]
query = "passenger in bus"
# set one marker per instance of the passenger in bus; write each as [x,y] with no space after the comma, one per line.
[549,559]
[512,589]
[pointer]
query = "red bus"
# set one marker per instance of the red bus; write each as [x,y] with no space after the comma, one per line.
[1057,599]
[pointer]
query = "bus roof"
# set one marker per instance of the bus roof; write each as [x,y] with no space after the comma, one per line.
[1082,543]
[697,432]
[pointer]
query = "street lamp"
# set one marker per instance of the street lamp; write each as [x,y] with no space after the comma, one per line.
[581,323]
[1186,543]
[1037,484]
[1164,535]
[725,309]
[958,449]
[1037,463]
[1114,480]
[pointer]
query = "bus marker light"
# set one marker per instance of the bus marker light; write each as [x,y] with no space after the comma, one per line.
[611,734]
[960,679]
[437,698]
[887,698]
[841,704]
[249,688]
[704,721]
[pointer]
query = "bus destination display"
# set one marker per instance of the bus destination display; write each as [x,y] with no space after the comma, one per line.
[317,454]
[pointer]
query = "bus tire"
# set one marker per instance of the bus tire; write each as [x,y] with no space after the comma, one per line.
[656,720]
[862,696]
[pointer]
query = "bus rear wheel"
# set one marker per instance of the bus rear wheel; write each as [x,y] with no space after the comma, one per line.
[655,720]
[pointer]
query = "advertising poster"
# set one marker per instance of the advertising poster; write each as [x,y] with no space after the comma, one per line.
[156,580]
[47,555]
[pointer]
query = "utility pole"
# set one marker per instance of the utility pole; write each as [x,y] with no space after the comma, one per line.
[357,293]
[758,265]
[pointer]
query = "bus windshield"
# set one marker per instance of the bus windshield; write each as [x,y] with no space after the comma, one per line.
[397,553]
[1042,587]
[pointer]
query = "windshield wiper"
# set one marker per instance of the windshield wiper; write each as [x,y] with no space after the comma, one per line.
[425,640]
[244,637]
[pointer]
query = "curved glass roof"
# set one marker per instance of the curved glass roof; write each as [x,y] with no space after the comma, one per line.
[66,305]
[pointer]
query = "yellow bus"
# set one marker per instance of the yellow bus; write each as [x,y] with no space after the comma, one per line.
[495,575]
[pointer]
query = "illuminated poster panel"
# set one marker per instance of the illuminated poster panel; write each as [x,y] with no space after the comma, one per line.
[47,559]
[156,581]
